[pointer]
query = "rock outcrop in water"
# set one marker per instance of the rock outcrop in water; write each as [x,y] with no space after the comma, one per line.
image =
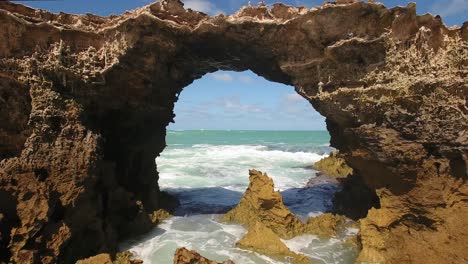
[263,240]
[262,211]
[185,256]
[125,257]
[325,225]
[85,101]
[99,259]
[261,203]
[334,165]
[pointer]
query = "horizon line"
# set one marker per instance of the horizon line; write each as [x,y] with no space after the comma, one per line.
[201,129]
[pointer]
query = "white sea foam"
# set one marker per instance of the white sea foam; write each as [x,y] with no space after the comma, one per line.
[210,179]
[227,166]
[216,241]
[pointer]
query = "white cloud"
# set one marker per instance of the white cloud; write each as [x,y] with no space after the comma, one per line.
[236,106]
[233,103]
[450,7]
[225,77]
[202,6]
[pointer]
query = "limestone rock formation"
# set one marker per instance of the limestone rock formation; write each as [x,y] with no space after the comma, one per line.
[261,203]
[85,101]
[99,259]
[326,225]
[126,257]
[263,240]
[159,215]
[185,256]
[333,165]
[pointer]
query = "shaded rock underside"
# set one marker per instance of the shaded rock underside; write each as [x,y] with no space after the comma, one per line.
[85,100]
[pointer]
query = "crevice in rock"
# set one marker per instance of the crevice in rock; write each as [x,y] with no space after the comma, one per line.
[42,174]
[15,107]
[8,219]
[458,167]
[355,198]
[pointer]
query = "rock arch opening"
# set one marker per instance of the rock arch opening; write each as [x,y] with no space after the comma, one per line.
[225,124]
[229,122]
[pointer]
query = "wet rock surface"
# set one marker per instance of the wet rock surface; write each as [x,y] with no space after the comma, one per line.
[185,256]
[85,101]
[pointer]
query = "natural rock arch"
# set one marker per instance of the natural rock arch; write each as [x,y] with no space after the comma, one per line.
[391,84]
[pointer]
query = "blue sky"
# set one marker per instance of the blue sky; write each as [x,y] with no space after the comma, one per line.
[232,100]
[242,100]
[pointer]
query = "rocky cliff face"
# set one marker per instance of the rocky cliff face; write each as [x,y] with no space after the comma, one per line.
[84,102]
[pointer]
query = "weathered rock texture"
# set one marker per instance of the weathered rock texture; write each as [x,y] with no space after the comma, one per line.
[185,256]
[99,259]
[326,225]
[261,203]
[263,240]
[263,212]
[334,165]
[85,101]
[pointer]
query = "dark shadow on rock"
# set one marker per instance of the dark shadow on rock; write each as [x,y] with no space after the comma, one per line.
[355,199]
[8,220]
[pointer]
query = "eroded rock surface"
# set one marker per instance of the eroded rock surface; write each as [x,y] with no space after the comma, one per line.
[85,101]
[99,259]
[185,256]
[262,211]
[263,240]
[334,165]
[261,203]
[326,225]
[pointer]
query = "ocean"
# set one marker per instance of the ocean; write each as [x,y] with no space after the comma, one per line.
[208,172]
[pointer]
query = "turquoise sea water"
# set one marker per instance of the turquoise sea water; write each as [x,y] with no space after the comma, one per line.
[222,158]
[208,172]
[307,139]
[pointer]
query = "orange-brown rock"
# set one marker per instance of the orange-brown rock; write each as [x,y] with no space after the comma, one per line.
[263,240]
[261,203]
[333,165]
[85,102]
[126,257]
[185,256]
[99,259]
[326,225]
[159,216]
